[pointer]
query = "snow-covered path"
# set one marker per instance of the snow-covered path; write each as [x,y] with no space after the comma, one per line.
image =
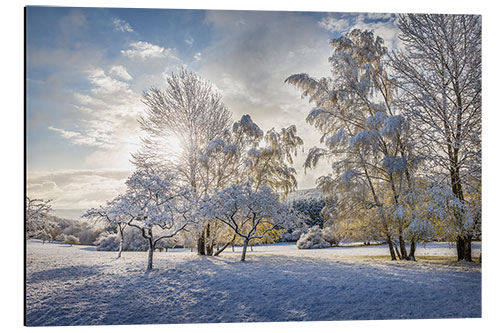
[80,286]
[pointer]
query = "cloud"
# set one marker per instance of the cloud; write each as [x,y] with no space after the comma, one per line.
[105,84]
[77,189]
[189,41]
[121,25]
[383,25]
[108,113]
[120,72]
[334,24]
[254,54]
[197,56]
[144,50]
[76,137]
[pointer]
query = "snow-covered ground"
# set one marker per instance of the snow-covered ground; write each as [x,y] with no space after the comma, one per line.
[80,286]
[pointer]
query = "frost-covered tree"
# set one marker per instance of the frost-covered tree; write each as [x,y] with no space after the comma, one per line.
[37,217]
[153,203]
[365,134]
[311,209]
[157,202]
[246,153]
[115,214]
[180,120]
[245,210]
[439,74]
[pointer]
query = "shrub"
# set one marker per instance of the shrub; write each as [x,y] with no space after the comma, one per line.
[70,239]
[313,239]
[132,241]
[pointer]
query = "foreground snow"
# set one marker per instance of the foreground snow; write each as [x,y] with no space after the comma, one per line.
[80,286]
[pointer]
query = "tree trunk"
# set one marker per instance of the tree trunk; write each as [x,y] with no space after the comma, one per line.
[120,245]
[201,243]
[397,251]
[391,248]
[468,248]
[225,246]
[460,248]
[209,246]
[413,248]
[402,246]
[150,254]
[244,252]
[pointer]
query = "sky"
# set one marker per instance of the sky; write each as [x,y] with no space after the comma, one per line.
[87,69]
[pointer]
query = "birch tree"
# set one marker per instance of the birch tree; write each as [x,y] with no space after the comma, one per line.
[365,135]
[439,74]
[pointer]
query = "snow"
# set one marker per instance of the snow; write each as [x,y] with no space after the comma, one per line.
[76,285]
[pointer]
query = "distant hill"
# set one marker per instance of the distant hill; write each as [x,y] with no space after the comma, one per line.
[310,193]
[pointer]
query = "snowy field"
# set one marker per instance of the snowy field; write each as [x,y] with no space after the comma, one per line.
[80,286]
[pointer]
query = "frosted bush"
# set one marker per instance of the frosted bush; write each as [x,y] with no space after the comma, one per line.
[107,242]
[70,239]
[312,239]
[132,241]
[330,235]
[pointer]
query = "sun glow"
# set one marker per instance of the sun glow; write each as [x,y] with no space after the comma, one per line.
[170,147]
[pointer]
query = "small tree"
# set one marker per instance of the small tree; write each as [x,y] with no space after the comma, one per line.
[243,153]
[245,210]
[114,213]
[38,217]
[156,201]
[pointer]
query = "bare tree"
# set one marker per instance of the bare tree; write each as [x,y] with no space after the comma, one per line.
[439,74]
[179,122]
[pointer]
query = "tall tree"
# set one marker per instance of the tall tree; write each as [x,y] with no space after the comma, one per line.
[364,133]
[439,74]
[179,122]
